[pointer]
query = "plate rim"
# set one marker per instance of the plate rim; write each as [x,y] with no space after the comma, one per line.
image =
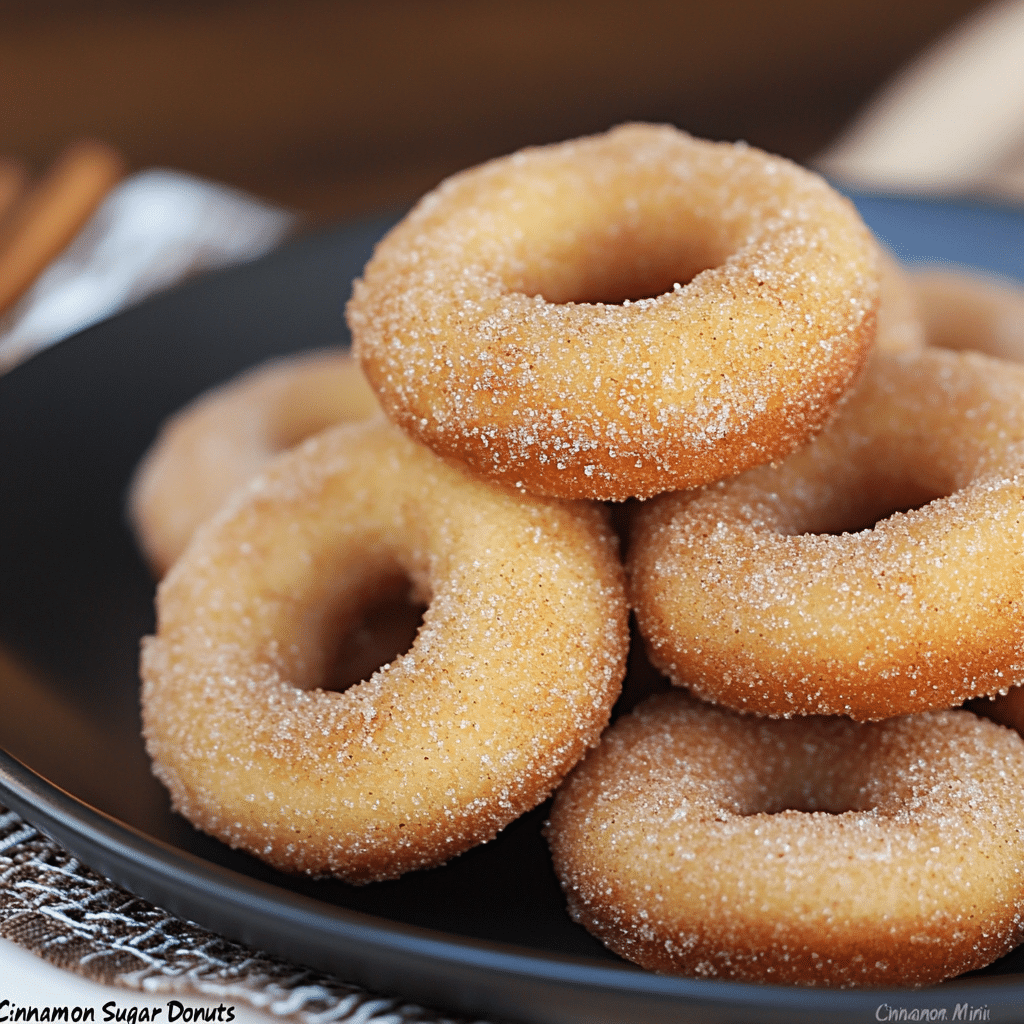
[143,865]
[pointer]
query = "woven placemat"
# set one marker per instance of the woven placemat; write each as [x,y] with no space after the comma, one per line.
[72,917]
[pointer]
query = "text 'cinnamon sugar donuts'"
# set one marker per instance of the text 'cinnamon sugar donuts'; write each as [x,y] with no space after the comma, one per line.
[619,315]
[815,851]
[792,590]
[226,435]
[510,679]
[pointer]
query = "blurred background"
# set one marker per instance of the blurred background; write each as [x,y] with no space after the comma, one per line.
[339,109]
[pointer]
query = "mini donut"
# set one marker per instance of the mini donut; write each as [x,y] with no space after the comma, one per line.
[510,679]
[814,852]
[964,309]
[900,324]
[228,434]
[805,589]
[618,315]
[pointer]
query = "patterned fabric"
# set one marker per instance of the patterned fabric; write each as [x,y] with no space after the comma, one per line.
[55,906]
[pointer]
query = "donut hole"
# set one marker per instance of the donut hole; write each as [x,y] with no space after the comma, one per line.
[813,797]
[619,264]
[301,420]
[319,398]
[872,502]
[822,794]
[312,391]
[358,624]
[378,633]
[787,771]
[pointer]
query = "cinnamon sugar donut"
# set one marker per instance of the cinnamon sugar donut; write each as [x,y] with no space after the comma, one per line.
[964,309]
[900,324]
[619,315]
[803,589]
[813,852]
[228,434]
[510,679]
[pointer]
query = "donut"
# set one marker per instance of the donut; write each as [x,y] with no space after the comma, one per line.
[900,327]
[879,571]
[228,434]
[815,851]
[618,315]
[964,309]
[511,676]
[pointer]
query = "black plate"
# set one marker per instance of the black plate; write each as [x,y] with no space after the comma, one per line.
[486,935]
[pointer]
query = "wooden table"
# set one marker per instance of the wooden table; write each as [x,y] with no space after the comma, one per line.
[338,108]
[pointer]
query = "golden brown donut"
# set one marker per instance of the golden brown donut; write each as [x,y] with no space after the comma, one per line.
[900,324]
[803,589]
[815,851]
[619,315]
[963,309]
[228,434]
[966,309]
[510,679]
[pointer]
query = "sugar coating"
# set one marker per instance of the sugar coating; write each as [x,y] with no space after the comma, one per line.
[815,852]
[510,679]
[619,315]
[792,590]
[224,437]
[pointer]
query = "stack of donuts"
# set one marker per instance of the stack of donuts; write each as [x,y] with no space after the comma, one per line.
[636,373]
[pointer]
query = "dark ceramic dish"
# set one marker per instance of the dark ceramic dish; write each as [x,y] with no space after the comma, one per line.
[487,935]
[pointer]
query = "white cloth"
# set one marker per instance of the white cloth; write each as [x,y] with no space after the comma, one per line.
[72,917]
[29,982]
